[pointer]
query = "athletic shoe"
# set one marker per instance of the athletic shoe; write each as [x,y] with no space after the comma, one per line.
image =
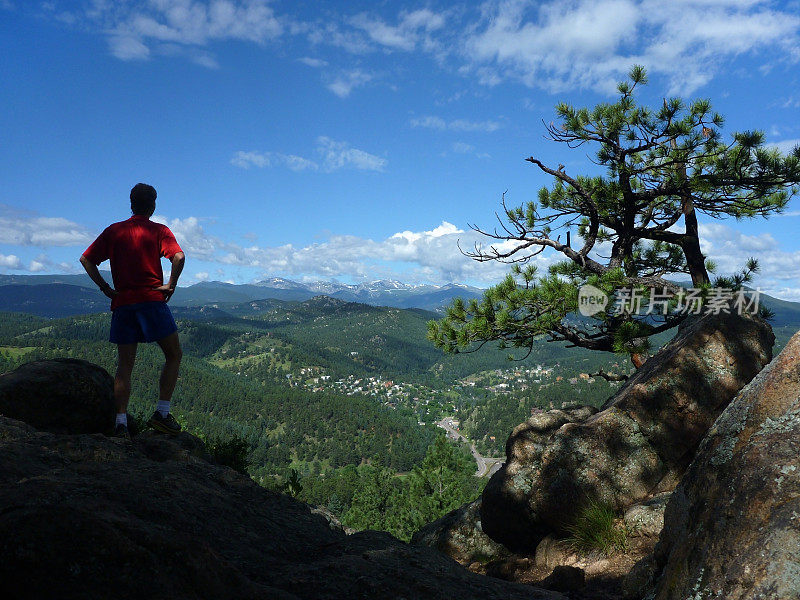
[166,424]
[121,431]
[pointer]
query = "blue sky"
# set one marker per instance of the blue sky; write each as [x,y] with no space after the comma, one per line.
[353,140]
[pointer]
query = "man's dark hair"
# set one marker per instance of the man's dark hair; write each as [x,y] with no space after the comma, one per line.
[143,199]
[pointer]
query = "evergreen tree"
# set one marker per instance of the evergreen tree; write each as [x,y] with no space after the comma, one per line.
[444,481]
[663,166]
[372,500]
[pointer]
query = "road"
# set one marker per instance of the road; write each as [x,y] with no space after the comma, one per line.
[486,465]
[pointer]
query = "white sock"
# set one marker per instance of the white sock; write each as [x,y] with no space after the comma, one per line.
[163,407]
[122,418]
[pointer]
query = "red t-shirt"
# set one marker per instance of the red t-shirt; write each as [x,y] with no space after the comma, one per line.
[135,248]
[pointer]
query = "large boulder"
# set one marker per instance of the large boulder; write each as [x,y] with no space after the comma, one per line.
[732,527]
[64,395]
[459,535]
[637,445]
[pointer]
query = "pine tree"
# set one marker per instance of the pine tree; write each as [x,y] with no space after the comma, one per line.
[662,166]
[372,500]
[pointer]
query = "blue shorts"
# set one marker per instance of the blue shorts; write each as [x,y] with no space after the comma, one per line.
[142,322]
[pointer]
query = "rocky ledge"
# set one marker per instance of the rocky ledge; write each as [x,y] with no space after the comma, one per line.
[88,516]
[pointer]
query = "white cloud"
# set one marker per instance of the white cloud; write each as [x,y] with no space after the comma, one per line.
[10,261]
[136,31]
[339,155]
[255,159]
[412,30]
[41,263]
[298,163]
[730,249]
[577,44]
[433,122]
[192,238]
[315,63]
[346,82]
[206,60]
[331,34]
[464,148]
[201,276]
[22,228]
[196,22]
[429,122]
[333,156]
[790,102]
[128,47]
[792,294]
[554,44]
[785,146]
[261,160]
[415,256]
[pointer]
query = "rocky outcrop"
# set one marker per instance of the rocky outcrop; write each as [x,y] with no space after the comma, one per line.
[87,516]
[732,527]
[460,536]
[637,445]
[63,395]
[525,446]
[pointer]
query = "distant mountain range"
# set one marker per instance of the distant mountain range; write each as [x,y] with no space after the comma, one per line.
[66,295]
[376,293]
[63,295]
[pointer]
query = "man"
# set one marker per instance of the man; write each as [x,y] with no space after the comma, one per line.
[139,301]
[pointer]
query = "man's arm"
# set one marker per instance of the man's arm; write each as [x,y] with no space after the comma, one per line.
[177,267]
[94,274]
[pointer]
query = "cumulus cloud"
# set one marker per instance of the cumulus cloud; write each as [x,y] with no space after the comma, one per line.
[592,43]
[730,249]
[191,236]
[416,256]
[10,261]
[27,229]
[332,156]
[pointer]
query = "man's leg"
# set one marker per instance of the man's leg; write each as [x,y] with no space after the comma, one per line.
[162,420]
[172,362]
[126,357]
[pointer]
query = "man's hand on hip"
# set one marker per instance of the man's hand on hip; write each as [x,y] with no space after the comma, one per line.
[167,290]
